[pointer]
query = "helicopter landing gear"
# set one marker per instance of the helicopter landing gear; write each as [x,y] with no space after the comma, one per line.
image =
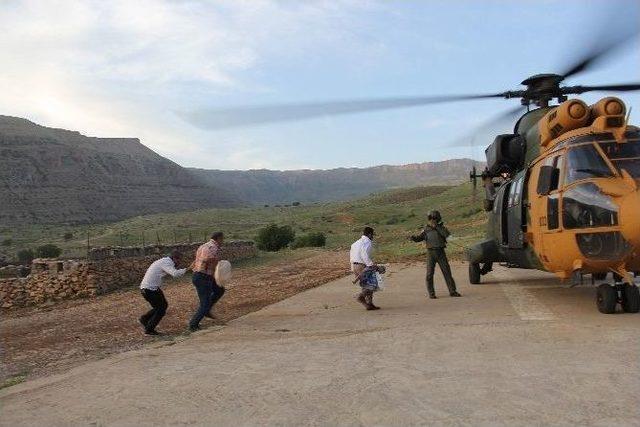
[475,271]
[600,276]
[630,298]
[608,296]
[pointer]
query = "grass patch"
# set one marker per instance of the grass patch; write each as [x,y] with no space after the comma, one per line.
[394,214]
[14,380]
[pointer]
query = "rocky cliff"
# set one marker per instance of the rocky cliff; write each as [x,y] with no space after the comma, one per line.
[58,176]
[269,186]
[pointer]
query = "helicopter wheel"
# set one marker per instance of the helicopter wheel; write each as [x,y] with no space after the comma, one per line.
[600,276]
[606,298]
[474,273]
[630,298]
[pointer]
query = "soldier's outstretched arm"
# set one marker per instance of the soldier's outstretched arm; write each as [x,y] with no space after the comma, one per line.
[420,237]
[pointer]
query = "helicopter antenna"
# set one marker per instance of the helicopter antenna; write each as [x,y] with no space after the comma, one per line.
[626,121]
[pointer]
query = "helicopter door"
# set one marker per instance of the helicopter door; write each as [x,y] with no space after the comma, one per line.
[515,235]
[502,200]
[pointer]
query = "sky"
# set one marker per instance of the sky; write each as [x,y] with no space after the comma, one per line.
[122,68]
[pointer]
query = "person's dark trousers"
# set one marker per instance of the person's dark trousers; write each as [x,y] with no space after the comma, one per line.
[438,256]
[216,293]
[204,287]
[159,307]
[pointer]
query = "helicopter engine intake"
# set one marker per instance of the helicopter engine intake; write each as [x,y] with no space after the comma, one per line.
[609,106]
[569,115]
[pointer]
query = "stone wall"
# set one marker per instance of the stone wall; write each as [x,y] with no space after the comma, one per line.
[104,270]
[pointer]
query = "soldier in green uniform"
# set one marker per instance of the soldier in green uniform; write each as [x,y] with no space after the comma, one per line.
[435,236]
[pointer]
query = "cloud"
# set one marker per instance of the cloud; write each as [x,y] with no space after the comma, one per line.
[120,68]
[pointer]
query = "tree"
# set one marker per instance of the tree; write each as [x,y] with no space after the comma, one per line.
[48,251]
[273,238]
[25,256]
[68,235]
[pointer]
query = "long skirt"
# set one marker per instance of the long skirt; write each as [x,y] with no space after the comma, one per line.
[368,279]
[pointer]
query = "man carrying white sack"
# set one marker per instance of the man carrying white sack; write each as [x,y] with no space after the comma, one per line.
[150,289]
[364,268]
[204,268]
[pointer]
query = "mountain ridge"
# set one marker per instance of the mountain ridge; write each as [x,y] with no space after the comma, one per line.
[308,185]
[58,176]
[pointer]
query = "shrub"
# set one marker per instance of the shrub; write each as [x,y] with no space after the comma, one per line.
[68,235]
[48,251]
[25,256]
[311,240]
[295,204]
[393,220]
[7,242]
[273,238]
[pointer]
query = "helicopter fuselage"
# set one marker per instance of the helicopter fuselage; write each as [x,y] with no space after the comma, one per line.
[573,206]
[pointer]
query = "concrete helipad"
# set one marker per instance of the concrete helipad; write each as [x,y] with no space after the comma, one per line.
[521,350]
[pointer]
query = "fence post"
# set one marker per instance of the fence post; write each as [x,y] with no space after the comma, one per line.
[143,245]
[189,236]
[121,239]
[158,237]
[175,239]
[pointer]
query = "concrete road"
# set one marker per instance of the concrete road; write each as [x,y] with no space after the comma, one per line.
[520,350]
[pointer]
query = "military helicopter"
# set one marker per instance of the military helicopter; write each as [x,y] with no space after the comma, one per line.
[561,191]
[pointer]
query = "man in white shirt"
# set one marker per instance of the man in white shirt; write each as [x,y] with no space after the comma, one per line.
[360,259]
[150,289]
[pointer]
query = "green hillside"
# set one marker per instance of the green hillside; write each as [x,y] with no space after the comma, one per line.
[394,214]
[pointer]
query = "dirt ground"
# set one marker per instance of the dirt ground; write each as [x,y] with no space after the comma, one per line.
[45,340]
[522,349]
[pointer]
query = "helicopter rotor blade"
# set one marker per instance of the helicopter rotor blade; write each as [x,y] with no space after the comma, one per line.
[258,114]
[607,39]
[489,125]
[628,87]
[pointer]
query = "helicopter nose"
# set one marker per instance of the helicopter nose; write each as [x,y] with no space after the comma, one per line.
[629,217]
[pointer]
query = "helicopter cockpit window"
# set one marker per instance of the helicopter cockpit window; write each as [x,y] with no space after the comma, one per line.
[585,206]
[625,155]
[556,162]
[583,162]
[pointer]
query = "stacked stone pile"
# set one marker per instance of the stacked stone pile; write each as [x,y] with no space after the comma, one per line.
[106,269]
[9,271]
[50,280]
